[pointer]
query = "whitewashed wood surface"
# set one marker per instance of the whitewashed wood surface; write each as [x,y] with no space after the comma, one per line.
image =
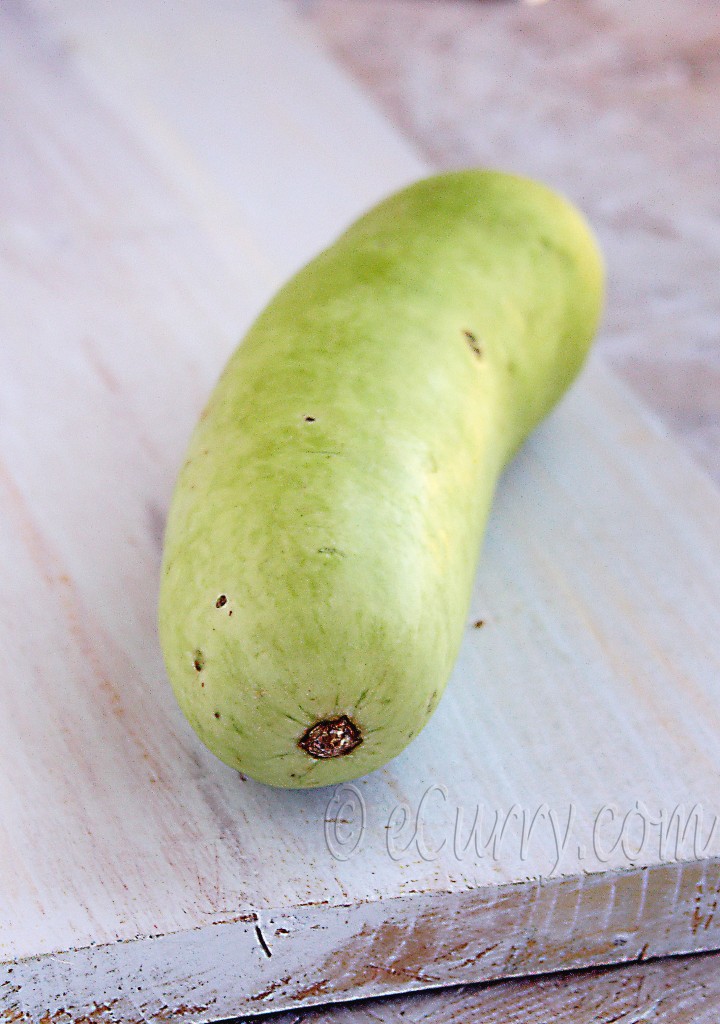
[162,171]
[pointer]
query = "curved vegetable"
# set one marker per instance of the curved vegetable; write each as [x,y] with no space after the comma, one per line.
[324,531]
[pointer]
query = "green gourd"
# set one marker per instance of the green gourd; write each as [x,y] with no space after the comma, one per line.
[325,528]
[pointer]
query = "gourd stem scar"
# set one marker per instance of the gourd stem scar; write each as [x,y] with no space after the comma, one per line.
[331,737]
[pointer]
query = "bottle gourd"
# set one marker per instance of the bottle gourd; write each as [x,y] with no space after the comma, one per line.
[325,527]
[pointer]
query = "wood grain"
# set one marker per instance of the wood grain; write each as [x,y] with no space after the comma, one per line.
[156,189]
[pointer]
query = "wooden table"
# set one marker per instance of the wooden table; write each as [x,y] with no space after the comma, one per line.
[163,170]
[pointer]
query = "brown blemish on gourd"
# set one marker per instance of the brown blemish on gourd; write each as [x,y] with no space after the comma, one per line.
[473,343]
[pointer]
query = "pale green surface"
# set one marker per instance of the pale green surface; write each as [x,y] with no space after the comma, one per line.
[347,546]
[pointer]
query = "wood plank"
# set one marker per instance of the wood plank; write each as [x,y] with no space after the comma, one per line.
[140,875]
[679,990]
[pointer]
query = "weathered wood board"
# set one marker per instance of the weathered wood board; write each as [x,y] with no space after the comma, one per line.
[163,169]
[676,990]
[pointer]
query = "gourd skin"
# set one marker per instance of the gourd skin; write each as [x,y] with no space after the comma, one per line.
[324,531]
